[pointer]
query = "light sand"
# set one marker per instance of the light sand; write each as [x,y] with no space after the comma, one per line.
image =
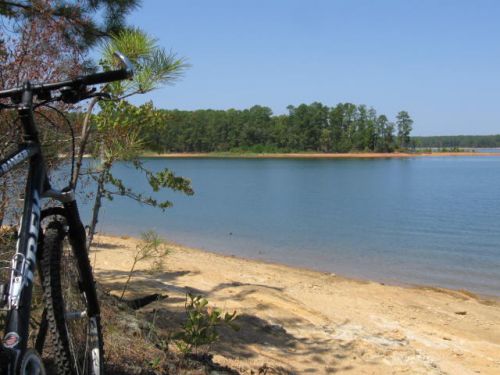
[300,321]
[360,155]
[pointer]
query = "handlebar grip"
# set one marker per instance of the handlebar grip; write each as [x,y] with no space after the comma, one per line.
[104,77]
[127,71]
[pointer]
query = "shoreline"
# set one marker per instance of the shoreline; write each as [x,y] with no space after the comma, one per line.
[356,279]
[297,319]
[370,155]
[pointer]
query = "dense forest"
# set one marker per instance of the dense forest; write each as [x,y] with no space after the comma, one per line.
[460,141]
[308,127]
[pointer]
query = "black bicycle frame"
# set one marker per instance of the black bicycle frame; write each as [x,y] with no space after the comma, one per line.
[24,263]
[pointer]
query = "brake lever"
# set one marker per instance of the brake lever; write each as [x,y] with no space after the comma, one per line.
[71,96]
[7,106]
[74,95]
[101,95]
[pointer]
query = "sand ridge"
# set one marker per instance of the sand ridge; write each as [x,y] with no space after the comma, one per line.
[296,321]
[317,155]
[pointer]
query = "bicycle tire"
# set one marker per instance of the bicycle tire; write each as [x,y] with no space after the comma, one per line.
[67,283]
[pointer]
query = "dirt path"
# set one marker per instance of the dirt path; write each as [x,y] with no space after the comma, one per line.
[299,321]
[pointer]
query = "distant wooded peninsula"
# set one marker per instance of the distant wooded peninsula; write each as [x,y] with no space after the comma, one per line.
[314,127]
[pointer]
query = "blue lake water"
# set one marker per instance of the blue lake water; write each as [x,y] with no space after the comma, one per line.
[433,221]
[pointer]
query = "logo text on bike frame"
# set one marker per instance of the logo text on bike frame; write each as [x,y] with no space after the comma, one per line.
[13,161]
[21,265]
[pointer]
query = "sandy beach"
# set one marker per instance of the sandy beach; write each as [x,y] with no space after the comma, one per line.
[361,155]
[296,321]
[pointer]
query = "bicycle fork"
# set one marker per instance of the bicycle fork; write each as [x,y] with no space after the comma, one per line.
[17,294]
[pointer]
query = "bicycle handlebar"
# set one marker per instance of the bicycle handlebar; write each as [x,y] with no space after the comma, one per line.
[127,71]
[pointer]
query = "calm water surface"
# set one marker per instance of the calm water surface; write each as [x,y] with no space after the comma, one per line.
[431,221]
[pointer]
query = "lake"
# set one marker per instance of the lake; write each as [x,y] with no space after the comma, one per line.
[423,220]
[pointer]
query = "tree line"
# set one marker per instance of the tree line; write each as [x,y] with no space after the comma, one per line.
[312,127]
[460,141]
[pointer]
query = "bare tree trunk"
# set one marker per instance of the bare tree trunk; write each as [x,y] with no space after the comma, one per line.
[101,181]
[83,141]
[129,277]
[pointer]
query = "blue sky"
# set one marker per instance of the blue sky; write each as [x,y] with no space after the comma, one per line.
[437,59]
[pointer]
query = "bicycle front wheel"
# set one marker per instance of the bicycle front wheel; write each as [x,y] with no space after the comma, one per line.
[68,287]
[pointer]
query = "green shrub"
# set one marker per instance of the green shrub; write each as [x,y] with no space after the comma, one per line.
[200,328]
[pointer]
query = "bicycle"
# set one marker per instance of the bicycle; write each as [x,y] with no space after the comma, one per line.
[71,308]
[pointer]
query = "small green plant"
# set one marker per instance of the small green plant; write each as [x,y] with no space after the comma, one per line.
[200,328]
[156,363]
[152,248]
[153,336]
